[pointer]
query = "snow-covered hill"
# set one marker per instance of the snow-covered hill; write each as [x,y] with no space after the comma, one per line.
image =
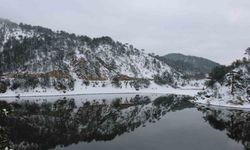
[232,89]
[34,58]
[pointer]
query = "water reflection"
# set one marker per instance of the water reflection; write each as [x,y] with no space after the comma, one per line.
[45,124]
[236,123]
[50,123]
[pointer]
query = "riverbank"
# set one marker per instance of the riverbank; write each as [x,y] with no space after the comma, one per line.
[223,103]
[98,89]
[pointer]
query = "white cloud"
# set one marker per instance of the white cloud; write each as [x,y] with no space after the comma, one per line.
[214,29]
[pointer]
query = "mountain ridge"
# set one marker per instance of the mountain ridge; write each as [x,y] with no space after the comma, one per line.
[189,65]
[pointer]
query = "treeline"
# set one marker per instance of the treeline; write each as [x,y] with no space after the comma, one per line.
[28,82]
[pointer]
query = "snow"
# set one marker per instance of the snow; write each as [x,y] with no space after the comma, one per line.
[16,32]
[222,103]
[221,96]
[136,64]
[81,89]
[221,93]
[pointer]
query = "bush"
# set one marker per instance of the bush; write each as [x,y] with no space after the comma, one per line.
[116,82]
[59,84]
[71,83]
[86,82]
[16,83]
[24,82]
[103,84]
[210,83]
[45,81]
[31,82]
[164,79]
[3,87]
[142,83]
[218,73]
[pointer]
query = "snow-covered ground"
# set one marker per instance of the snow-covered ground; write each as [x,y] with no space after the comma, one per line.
[221,96]
[93,88]
[228,92]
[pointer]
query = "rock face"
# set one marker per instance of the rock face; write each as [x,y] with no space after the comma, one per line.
[28,53]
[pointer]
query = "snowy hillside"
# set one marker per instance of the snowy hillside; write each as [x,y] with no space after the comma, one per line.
[37,49]
[33,58]
[232,89]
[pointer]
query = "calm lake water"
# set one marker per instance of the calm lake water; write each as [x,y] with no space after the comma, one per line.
[124,122]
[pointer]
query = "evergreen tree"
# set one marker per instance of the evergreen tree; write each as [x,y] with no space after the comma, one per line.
[235,80]
[247,52]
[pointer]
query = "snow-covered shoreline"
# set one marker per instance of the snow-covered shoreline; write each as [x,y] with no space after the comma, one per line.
[221,96]
[222,104]
[93,88]
[97,91]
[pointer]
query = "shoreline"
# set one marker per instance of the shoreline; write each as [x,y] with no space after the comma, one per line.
[47,94]
[12,96]
[223,104]
[98,89]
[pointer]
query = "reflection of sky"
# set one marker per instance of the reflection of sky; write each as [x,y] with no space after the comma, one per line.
[218,30]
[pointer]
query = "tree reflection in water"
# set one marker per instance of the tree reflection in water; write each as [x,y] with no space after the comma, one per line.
[236,123]
[45,125]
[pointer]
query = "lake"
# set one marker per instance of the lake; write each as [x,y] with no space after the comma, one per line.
[121,121]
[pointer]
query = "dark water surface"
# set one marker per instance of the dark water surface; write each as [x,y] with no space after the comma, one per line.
[124,122]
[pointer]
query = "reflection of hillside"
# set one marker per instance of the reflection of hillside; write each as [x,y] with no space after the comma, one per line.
[235,122]
[46,125]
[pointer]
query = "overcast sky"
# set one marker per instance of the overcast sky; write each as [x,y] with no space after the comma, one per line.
[215,29]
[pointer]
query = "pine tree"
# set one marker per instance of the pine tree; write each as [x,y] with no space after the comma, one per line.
[235,80]
[247,52]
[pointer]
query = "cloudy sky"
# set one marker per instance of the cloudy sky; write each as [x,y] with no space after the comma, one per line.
[215,29]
